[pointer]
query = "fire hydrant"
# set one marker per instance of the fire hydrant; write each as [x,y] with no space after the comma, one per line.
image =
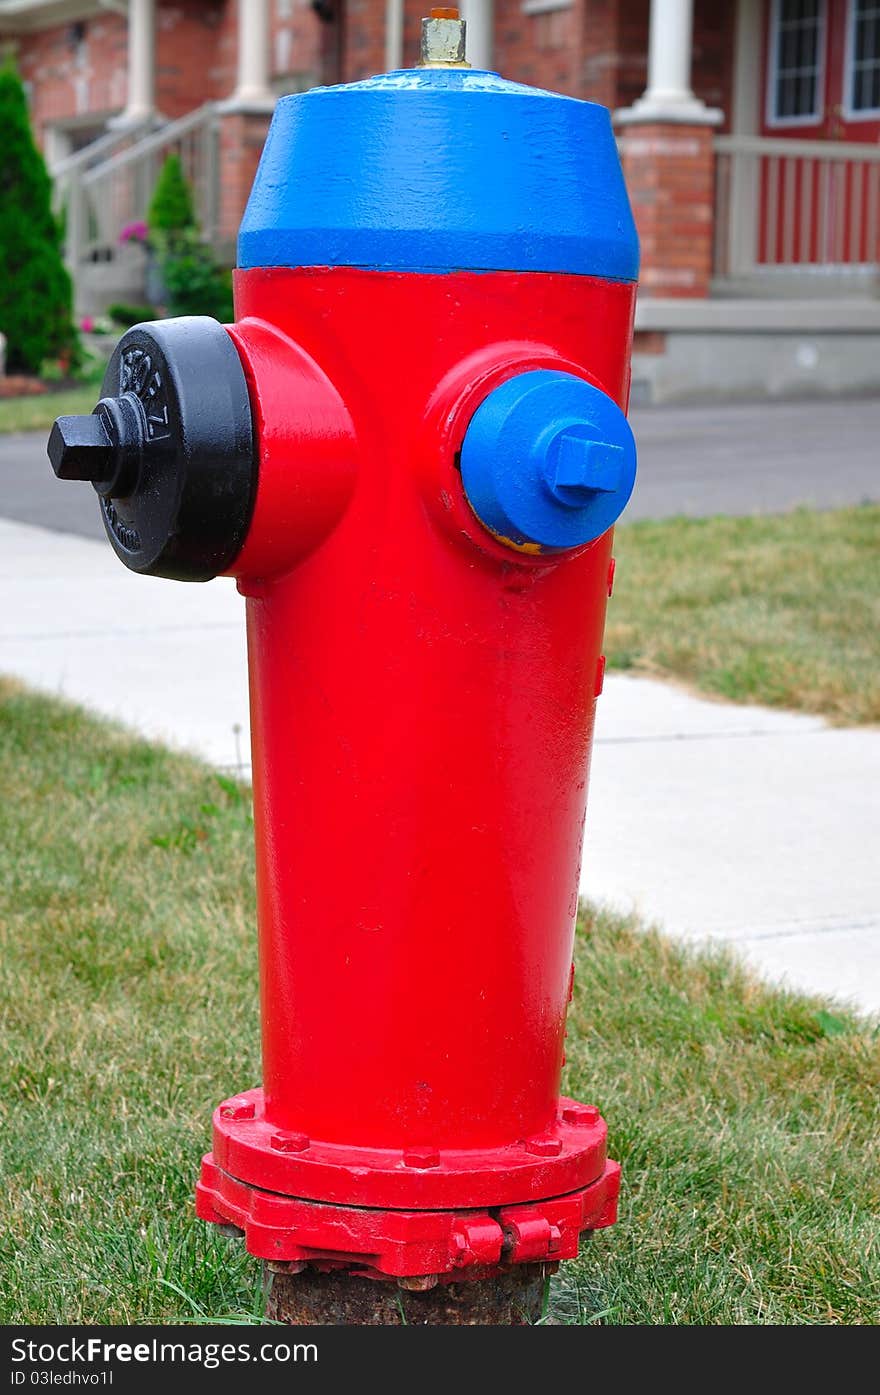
[409,449]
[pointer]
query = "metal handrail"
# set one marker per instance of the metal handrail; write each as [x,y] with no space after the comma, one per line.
[793,205]
[103,195]
[781,146]
[166,135]
[81,159]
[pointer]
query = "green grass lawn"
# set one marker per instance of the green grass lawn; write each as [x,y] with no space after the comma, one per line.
[38,413]
[782,609]
[746,1119]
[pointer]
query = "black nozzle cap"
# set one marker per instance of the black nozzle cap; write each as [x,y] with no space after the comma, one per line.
[81,449]
[169,449]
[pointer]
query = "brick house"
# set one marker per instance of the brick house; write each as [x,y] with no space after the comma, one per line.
[749,131]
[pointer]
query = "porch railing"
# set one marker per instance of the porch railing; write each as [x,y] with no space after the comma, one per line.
[795,205]
[110,183]
[68,188]
[69,166]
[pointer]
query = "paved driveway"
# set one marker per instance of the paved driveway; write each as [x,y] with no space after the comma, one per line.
[764,457]
[761,458]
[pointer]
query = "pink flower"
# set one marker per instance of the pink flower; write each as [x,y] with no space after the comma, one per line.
[134,232]
[87,324]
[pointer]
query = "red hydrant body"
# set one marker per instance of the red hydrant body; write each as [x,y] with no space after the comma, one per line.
[426,559]
[422,703]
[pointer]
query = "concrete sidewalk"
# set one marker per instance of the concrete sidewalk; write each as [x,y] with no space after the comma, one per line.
[747,825]
[753,827]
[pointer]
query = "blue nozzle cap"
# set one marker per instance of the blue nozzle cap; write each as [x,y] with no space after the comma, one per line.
[548,460]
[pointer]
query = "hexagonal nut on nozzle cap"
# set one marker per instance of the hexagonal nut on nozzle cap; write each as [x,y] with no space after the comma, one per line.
[80,449]
[548,461]
[104,449]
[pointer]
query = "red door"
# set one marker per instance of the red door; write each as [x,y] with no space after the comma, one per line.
[821,84]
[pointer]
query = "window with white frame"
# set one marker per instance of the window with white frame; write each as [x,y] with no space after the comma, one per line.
[863,52]
[797,41]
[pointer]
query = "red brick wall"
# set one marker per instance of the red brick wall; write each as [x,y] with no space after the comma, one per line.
[631,52]
[186,42]
[669,171]
[712,72]
[599,26]
[613,48]
[413,13]
[537,49]
[69,78]
[242,136]
[363,39]
[196,46]
[593,48]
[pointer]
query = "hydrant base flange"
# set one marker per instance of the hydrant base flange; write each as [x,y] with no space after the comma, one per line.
[568,1154]
[470,1244]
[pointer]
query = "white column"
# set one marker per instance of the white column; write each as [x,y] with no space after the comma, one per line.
[141,102]
[746,100]
[669,52]
[668,96]
[744,200]
[252,90]
[479,16]
[393,35]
